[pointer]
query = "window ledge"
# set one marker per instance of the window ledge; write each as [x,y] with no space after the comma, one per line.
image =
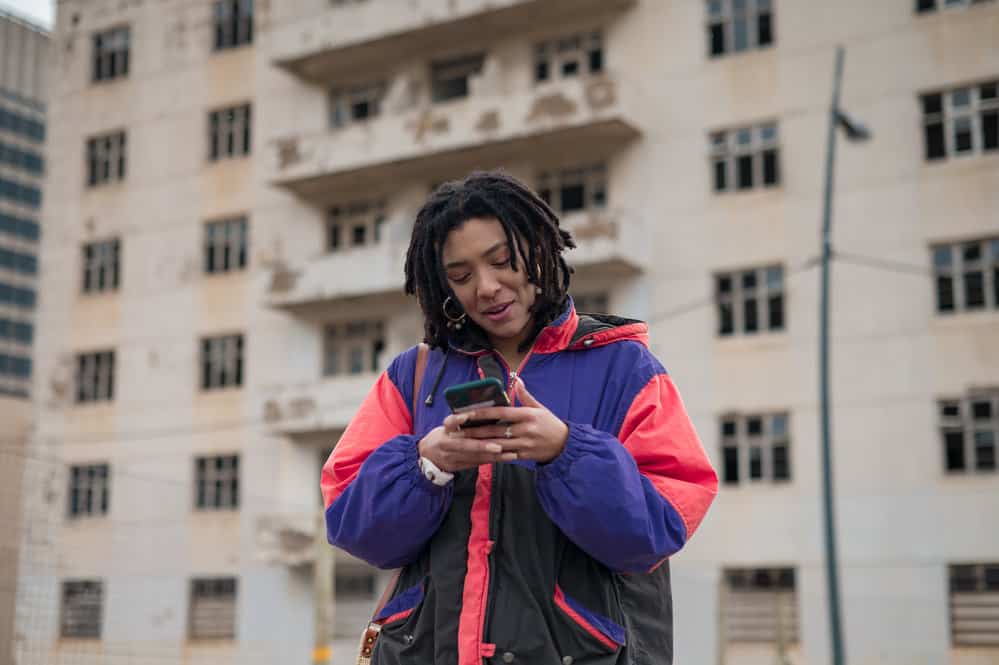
[757,341]
[964,320]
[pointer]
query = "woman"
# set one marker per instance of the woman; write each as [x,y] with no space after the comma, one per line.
[542,539]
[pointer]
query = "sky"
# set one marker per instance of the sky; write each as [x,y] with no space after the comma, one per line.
[41,12]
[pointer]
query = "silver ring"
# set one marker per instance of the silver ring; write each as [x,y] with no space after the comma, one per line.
[508,434]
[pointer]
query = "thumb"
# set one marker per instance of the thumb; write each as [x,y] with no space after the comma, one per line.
[526,398]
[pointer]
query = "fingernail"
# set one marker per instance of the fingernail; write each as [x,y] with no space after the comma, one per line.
[509,457]
[494,448]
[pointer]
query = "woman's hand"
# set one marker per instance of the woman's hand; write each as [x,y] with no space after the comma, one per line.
[532,431]
[451,450]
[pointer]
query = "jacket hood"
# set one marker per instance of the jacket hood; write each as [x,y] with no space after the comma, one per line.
[574,331]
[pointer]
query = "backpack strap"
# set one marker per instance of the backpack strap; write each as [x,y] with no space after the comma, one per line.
[422,351]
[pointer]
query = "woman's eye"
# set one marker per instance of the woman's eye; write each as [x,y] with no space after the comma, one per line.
[502,264]
[459,279]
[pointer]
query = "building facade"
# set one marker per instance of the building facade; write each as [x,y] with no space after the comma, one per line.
[23,94]
[232,228]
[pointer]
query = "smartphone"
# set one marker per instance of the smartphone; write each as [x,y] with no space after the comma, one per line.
[476,395]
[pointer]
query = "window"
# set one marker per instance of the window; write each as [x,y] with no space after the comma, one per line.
[592,303]
[739,25]
[353,348]
[18,227]
[106,158]
[111,54]
[355,104]
[22,125]
[89,490]
[80,614]
[569,57]
[969,429]
[745,158]
[222,362]
[449,78]
[355,225]
[570,190]
[101,265]
[755,448]
[233,20]
[967,275]
[216,482]
[18,367]
[229,133]
[20,262]
[961,121]
[974,605]
[226,243]
[20,332]
[25,160]
[213,608]
[353,584]
[750,301]
[21,194]
[760,605]
[924,6]
[16,296]
[95,377]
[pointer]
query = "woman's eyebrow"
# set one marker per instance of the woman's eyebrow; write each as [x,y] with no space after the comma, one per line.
[456,264]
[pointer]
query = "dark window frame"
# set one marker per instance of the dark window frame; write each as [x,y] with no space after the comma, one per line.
[110,59]
[232,24]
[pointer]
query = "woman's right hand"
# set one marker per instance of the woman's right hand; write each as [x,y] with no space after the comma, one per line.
[448,448]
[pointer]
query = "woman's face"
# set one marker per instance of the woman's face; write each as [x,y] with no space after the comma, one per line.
[499,300]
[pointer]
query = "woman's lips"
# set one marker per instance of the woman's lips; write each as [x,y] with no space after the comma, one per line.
[498,314]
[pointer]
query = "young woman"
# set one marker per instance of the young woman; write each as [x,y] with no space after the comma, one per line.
[543,539]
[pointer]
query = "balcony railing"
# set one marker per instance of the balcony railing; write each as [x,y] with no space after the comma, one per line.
[597,115]
[373,35]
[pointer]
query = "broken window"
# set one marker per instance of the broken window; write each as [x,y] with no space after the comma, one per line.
[101,266]
[961,121]
[974,604]
[353,348]
[89,490]
[355,224]
[111,50]
[213,608]
[222,362]
[966,275]
[577,55]
[355,104]
[106,158]
[81,609]
[449,79]
[571,190]
[216,482]
[739,25]
[94,377]
[755,448]
[750,301]
[226,243]
[233,23]
[969,432]
[759,605]
[745,158]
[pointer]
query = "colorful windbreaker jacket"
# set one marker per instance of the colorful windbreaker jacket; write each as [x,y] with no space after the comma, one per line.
[564,562]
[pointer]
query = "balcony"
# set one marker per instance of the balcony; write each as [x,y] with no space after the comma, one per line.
[610,243]
[290,539]
[371,36]
[570,118]
[323,407]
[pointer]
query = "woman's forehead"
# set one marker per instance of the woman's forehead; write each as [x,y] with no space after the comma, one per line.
[473,238]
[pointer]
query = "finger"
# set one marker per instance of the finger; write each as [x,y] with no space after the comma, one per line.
[487,431]
[508,457]
[526,398]
[469,446]
[510,414]
[454,421]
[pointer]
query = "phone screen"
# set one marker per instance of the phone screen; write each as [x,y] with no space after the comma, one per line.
[473,395]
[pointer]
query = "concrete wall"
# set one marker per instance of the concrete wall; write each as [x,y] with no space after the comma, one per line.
[901,520]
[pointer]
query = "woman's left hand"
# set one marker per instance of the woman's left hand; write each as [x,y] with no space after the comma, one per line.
[532,431]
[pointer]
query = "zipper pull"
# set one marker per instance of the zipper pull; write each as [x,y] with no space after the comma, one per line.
[510,393]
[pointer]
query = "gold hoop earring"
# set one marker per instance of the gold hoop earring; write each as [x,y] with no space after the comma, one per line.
[453,322]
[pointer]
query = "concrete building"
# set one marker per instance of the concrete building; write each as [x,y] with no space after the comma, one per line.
[23,88]
[232,230]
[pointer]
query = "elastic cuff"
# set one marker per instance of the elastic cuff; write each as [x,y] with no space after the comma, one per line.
[570,453]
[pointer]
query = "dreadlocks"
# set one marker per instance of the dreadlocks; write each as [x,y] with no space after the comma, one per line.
[532,233]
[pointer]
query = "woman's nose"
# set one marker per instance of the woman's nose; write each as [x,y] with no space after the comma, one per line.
[488,287]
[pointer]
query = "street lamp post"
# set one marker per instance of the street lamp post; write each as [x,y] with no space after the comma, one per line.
[855,132]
